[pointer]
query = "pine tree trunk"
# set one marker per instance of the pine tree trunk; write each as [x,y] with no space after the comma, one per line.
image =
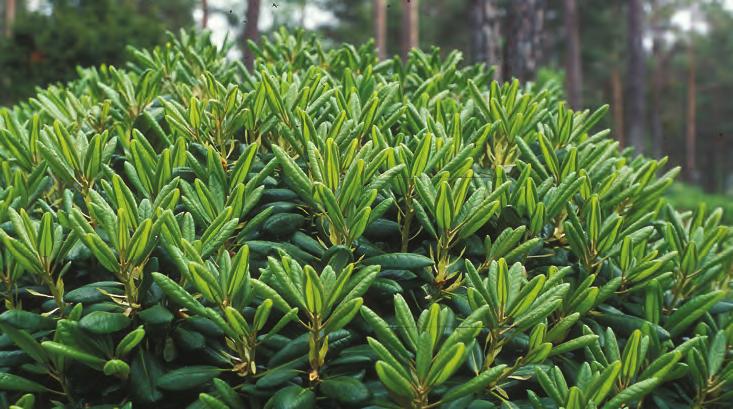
[538,34]
[524,34]
[617,107]
[303,12]
[410,26]
[380,28]
[691,131]
[657,82]
[204,13]
[636,93]
[251,30]
[486,34]
[9,17]
[573,68]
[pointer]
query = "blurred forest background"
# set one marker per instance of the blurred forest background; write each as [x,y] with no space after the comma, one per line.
[662,65]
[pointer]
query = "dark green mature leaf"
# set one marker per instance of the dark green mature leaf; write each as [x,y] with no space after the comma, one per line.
[101,322]
[185,378]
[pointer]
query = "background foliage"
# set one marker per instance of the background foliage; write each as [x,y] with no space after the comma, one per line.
[48,47]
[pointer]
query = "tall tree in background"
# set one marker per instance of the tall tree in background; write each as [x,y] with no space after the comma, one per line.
[524,35]
[380,28]
[617,85]
[251,30]
[486,34]
[410,26]
[573,67]
[690,132]
[691,128]
[636,79]
[617,105]
[660,59]
[9,17]
[303,12]
[204,13]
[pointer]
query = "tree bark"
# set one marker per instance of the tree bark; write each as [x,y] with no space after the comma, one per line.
[486,34]
[617,107]
[410,26]
[636,77]
[9,17]
[658,78]
[691,131]
[251,30]
[303,12]
[524,34]
[538,33]
[204,13]
[380,28]
[573,67]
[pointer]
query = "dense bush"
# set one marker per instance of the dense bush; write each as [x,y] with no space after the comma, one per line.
[336,232]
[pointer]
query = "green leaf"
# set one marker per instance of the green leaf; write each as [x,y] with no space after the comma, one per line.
[444,205]
[116,367]
[603,383]
[548,385]
[346,390]
[633,393]
[576,343]
[275,377]
[527,295]
[130,341]
[26,342]
[140,243]
[407,261]
[717,352]
[102,322]
[292,397]
[691,311]
[422,154]
[177,294]
[261,314]
[342,315]
[631,359]
[313,291]
[548,153]
[392,379]
[66,351]
[406,322]
[476,384]
[594,220]
[144,373]
[296,177]
[383,332]
[15,383]
[211,402]
[188,377]
[446,362]
[101,251]
[478,219]
[46,237]
[502,284]
[27,320]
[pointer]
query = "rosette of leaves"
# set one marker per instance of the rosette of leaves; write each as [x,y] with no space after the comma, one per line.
[330,230]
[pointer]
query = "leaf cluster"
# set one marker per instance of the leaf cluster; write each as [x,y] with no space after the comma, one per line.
[328,230]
